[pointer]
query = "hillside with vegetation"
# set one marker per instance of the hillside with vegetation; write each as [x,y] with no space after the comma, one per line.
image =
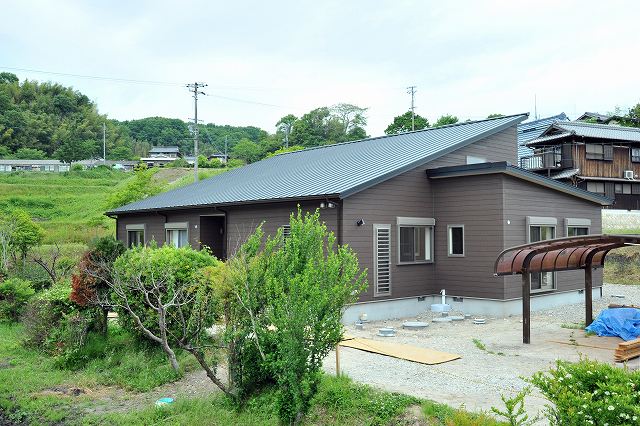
[40,120]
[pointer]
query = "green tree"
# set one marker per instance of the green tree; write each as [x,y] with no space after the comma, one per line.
[247,151]
[30,154]
[324,125]
[76,150]
[140,186]
[632,117]
[402,123]
[495,115]
[292,148]
[283,302]
[446,120]
[18,234]
[8,78]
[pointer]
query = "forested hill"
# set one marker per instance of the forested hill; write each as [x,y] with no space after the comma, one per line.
[47,120]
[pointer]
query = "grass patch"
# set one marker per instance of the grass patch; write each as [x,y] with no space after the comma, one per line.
[441,414]
[119,361]
[623,266]
[573,326]
[478,343]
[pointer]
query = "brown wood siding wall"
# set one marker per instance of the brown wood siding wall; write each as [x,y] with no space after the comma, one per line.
[522,199]
[605,168]
[243,220]
[410,194]
[476,203]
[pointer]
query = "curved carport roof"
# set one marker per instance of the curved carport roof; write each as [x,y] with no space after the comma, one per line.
[560,254]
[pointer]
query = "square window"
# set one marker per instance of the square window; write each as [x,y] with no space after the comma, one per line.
[415,244]
[575,231]
[456,240]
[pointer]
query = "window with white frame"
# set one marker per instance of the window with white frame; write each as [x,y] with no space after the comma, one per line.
[635,155]
[455,237]
[382,259]
[540,229]
[135,235]
[177,234]
[577,227]
[286,231]
[415,240]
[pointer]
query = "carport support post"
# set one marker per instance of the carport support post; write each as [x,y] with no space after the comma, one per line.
[526,306]
[588,294]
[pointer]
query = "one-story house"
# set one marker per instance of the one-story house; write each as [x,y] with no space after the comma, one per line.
[9,165]
[424,210]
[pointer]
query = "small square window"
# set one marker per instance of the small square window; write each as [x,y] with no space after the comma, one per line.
[456,240]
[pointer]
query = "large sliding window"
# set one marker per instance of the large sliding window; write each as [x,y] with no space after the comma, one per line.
[135,235]
[177,234]
[415,237]
[540,229]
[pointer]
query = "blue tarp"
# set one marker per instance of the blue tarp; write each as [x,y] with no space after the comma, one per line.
[622,322]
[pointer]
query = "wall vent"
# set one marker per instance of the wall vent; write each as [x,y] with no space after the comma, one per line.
[382,259]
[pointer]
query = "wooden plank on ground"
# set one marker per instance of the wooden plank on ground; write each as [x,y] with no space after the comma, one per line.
[397,350]
[597,342]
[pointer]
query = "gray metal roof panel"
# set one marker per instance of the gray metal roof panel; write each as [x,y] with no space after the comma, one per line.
[530,130]
[337,170]
[565,174]
[31,162]
[164,149]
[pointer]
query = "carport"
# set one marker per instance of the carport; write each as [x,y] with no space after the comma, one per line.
[561,254]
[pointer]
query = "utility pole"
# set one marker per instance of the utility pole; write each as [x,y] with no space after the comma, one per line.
[226,157]
[104,143]
[411,90]
[195,89]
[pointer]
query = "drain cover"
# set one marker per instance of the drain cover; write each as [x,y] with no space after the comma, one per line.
[442,319]
[415,325]
[457,318]
[386,332]
[479,321]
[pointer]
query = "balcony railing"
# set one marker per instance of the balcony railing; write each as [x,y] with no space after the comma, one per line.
[542,161]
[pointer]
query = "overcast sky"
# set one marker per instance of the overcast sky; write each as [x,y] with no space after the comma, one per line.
[469,59]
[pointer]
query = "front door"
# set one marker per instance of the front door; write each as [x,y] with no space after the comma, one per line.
[212,235]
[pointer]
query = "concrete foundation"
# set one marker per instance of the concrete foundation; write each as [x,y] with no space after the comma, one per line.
[411,307]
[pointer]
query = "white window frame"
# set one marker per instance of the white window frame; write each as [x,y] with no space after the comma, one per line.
[176,226]
[286,231]
[135,227]
[412,222]
[376,292]
[551,222]
[450,241]
[571,222]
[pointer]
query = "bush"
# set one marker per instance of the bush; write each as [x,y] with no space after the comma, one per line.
[589,392]
[14,295]
[235,162]
[43,315]
[284,301]
[76,168]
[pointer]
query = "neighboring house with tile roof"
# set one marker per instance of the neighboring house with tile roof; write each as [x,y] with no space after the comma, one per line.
[530,130]
[424,210]
[601,158]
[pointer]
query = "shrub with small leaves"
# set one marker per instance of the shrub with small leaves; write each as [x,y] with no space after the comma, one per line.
[14,295]
[514,412]
[589,392]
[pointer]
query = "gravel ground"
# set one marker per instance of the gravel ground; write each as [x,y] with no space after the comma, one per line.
[479,378]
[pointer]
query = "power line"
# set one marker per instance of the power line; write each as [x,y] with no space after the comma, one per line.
[94,77]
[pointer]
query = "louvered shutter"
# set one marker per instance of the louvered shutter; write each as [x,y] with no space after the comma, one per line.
[382,259]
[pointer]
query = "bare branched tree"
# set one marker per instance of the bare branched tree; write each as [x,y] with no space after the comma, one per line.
[180,312]
[50,265]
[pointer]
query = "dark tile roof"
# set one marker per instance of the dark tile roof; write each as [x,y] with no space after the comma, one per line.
[532,129]
[588,130]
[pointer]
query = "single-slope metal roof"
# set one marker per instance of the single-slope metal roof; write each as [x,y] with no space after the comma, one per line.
[338,170]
